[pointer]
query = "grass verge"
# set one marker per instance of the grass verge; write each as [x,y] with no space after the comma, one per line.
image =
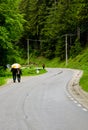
[2,80]
[26,71]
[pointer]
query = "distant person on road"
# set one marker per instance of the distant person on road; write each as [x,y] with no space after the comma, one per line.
[43,65]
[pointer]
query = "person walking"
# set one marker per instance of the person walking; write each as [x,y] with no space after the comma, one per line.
[14,72]
[19,72]
[43,66]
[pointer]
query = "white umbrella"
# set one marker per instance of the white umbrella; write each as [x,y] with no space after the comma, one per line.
[16,65]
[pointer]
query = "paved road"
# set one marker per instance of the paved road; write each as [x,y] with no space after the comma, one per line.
[41,103]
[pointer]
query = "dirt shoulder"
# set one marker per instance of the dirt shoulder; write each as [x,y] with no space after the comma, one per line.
[76,91]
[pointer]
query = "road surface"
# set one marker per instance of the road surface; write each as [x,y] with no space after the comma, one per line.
[41,103]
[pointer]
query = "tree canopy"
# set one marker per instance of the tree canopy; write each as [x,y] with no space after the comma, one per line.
[11,28]
[46,24]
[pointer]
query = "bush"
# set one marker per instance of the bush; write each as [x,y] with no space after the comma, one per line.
[75,49]
[2,71]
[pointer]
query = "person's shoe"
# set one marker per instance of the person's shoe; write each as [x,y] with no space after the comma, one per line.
[14,81]
[19,80]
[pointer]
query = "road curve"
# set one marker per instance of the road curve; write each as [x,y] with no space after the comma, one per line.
[41,103]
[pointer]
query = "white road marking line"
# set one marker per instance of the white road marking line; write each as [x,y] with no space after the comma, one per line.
[71,98]
[68,95]
[84,109]
[75,101]
[79,105]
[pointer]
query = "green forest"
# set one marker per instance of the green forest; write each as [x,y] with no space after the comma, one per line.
[49,27]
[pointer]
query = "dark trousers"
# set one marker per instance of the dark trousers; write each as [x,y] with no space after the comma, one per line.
[18,77]
[14,77]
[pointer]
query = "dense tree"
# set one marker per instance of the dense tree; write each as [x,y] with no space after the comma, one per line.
[46,24]
[10,29]
[82,18]
[67,17]
[35,14]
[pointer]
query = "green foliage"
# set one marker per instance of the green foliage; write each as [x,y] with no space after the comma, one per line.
[75,49]
[60,49]
[82,14]
[50,21]
[84,81]
[81,62]
[32,71]
[4,75]
[2,81]
[11,28]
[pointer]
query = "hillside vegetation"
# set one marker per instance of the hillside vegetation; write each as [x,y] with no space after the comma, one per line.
[81,62]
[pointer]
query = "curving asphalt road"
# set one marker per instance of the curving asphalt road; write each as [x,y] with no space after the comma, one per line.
[41,103]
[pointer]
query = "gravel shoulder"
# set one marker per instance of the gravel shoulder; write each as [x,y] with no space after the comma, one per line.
[76,91]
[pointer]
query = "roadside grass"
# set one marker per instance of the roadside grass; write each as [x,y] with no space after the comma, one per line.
[4,75]
[26,71]
[2,81]
[80,62]
[84,81]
